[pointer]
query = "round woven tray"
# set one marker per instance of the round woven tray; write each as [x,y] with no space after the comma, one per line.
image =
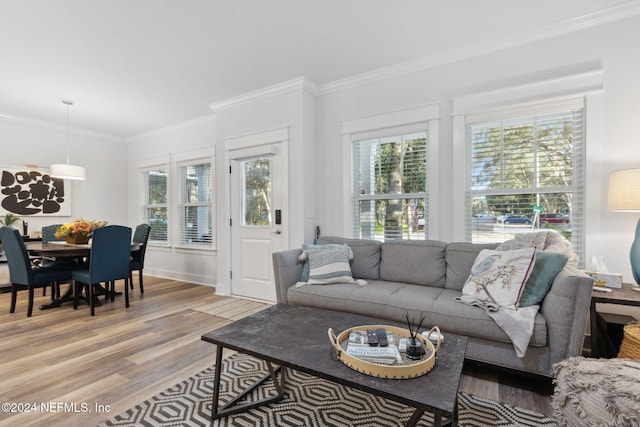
[408,369]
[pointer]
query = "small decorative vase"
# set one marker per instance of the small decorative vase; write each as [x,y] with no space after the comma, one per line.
[634,255]
[415,349]
[77,239]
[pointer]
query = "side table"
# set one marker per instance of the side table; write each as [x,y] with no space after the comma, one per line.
[623,296]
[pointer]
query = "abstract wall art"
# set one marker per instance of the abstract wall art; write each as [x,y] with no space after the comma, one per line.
[33,192]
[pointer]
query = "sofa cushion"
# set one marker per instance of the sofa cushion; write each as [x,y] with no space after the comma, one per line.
[460,257]
[366,256]
[499,276]
[546,268]
[417,262]
[328,266]
[393,300]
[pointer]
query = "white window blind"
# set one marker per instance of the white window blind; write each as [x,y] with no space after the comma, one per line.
[155,208]
[526,173]
[390,187]
[195,204]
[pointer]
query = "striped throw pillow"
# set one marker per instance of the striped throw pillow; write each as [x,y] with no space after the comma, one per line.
[329,266]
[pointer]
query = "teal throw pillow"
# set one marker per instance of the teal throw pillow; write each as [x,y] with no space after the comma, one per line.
[545,270]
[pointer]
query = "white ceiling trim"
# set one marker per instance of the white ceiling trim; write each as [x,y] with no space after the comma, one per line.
[561,87]
[605,16]
[26,121]
[178,127]
[300,83]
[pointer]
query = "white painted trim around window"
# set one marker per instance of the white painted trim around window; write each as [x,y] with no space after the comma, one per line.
[420,118]
[555,89]
[256,139]
[390,119]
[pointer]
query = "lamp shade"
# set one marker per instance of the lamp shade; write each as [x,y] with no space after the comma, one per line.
[624,190]
[67,171]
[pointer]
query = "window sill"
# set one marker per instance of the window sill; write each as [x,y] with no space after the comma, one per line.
[158,247]
[195,250]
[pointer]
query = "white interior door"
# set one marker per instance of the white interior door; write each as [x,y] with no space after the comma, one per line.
[257,222]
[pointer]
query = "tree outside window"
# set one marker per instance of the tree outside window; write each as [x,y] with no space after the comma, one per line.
[196,209]
[390,187]
[156,204]
[526,174]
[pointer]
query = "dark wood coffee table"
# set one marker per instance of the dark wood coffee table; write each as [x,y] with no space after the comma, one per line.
[296,337]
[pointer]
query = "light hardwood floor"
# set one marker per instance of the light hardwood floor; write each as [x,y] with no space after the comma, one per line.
[120,357]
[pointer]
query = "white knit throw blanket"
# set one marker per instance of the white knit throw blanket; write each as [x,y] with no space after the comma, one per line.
[518,323]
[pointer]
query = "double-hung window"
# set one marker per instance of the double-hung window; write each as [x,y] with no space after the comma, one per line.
[156,203]
[195,188]
[390,186]
[526,172]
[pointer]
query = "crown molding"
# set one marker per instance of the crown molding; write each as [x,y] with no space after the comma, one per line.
[579,23]
[566,86]
[300,83]
[178,127]
[58,127]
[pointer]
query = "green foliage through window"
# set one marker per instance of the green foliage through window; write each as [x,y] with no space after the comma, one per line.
[390,187]
[526,174]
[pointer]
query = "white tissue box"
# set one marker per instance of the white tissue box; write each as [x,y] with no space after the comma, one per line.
[609,280]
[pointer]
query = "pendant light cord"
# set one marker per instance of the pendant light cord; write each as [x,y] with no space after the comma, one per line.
[67,103]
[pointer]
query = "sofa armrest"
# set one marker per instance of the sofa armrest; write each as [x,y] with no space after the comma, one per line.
[565,309]
[287,271]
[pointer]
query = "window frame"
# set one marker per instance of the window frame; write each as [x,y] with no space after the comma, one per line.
[586,84]
[358,197]
[166,206]
[171,162]
[578,185]
[181,204]
[424,117]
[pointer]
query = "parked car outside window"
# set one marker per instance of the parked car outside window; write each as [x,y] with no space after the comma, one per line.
[554,218]
[516,219]
[484,218]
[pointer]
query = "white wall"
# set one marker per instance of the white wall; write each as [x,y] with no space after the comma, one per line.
[316,164]
[612,48]
[291,106]
[193,265]
[103,195]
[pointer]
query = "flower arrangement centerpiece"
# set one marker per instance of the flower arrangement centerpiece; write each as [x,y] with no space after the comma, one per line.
[79,231]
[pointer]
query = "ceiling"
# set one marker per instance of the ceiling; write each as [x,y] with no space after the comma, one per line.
[134,66]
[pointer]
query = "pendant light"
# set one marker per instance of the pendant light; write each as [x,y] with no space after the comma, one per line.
[66,170]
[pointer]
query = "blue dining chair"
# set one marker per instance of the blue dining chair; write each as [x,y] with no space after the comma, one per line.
[141,237]
[22,273]
[49,233]
[108,262]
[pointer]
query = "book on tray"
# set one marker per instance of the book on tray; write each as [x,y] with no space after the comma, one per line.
[358,346]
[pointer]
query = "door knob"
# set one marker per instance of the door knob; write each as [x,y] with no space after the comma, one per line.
[278,231]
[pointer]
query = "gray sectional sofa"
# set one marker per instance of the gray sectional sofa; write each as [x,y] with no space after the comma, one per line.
[427,276]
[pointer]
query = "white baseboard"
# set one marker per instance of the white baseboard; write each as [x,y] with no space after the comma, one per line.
[185,277]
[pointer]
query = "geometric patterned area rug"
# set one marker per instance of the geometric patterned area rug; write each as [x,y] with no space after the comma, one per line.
[231,308]
[309,401]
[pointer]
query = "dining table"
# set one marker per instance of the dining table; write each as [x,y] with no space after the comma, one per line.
[61,250]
